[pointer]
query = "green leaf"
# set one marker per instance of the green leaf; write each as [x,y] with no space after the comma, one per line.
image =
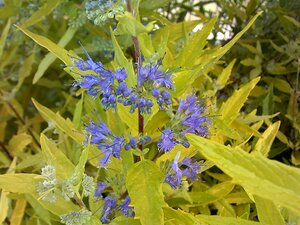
[144,185]
[222,220]
[25,71]
[50,58]
[153,4]
[59,122]
[45,10]
[123,62]
[20,183]
[257,174]
[263,145]
[54,156]
[4,36]
[267,212]
[231,108]
[268,102]
[280,84]
[129,25]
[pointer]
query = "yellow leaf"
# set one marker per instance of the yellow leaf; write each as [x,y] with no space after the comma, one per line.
[18,143]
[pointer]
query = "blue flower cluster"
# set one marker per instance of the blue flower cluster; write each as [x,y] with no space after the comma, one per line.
[174,176]
[110,144]
[156,82]
[152,82]
[110,204]
[101,10]
[189,118]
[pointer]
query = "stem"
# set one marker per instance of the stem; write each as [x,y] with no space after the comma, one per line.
[6,151]
[138,60]
[23,122]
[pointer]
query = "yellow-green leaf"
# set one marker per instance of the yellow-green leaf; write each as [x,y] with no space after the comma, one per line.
[4,36]
[257,174]
[231,108]
[59,122]
[267,212]
[129,25]
[222,220]
[37,16]
[50,58]
[18,183]
[18,142]
[123,62]
[263,145]
[55,157]
[59,52]
[178,217]
[144,185]
[224,76]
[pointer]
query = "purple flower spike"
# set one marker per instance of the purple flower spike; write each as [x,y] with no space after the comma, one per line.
[125,209]
[107,142]
[109,204]
[167,142]
[100,188]
[174,176]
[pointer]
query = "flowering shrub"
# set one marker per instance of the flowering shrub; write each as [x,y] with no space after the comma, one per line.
[148,143]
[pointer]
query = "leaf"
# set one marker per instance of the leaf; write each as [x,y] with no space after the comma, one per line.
[131,26]
[222,220]
[59,52]
[280,84]
[195,45]
[60,123]
[18,183]
[231,108]
[39,210]
[50,58]
[18,142]
[79,169]
[268,102]
[18,213]
[4,36]
[144,185]
[263,145]
[130,119]
[267,212]
[123,62]
[25,71]
[153,4]
[186,78]
[54,156]
[176,217]
[257,174]
[37,16]
[213,194]
[224,76]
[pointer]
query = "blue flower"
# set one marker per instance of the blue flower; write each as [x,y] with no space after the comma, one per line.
[109,204]
[174,176]
[192,169]
[100,188]
[125,209]
[167,142]
[106,141]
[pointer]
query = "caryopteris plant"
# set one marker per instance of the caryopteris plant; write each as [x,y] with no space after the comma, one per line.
[149,143]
